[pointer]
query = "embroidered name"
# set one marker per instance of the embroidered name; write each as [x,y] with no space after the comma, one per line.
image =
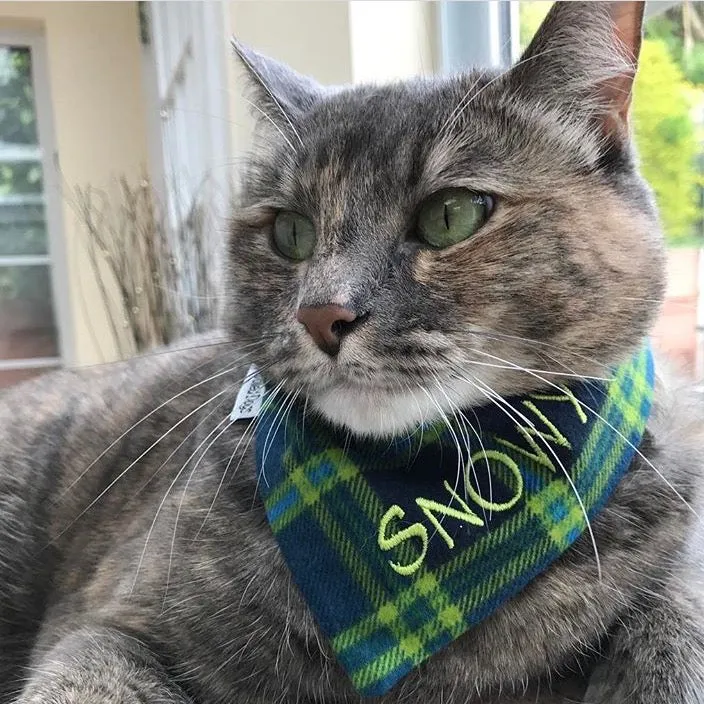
[392,534]
[539,449]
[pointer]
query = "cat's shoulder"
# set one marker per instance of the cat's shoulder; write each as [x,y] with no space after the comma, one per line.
[115,389]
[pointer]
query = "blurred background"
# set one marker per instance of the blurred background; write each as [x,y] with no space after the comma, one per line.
[122,125]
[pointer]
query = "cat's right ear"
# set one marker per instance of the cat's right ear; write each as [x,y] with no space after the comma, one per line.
[584,58]
[279,94]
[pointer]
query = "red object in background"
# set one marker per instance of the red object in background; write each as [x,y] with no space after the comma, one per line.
[675,333]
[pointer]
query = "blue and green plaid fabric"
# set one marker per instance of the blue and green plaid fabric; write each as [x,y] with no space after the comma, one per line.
[399,547]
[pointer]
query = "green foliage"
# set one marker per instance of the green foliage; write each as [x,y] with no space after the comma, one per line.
[17,117]
[530,16]
[667,139]
[27,283]
[18,124]
[669,27]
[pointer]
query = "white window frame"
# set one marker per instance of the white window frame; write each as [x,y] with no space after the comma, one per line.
[482,34]
[186,89]
[189,54]
[55,259]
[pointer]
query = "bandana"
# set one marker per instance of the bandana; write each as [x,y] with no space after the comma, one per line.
[399,547]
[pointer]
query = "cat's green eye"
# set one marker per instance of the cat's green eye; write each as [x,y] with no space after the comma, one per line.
[452,215]
[294,235]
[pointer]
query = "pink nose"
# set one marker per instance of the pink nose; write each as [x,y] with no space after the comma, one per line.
[326,325]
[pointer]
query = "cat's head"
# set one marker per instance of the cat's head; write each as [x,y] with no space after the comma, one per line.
[405,250]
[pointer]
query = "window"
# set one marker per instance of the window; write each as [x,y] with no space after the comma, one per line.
[477,34]
[30,340]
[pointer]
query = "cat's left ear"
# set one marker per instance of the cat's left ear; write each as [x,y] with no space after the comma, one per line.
[585,55]
[279,93]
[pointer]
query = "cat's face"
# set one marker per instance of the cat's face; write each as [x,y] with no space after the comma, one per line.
[545,255]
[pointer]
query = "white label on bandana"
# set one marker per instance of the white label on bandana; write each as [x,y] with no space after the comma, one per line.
[249,397]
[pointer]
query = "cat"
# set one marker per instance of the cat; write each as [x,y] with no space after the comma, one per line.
[136,560]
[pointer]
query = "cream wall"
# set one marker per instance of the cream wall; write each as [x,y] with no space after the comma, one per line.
[95,79]
[312,37]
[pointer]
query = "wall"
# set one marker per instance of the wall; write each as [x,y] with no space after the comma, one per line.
[94,61]
[312,37]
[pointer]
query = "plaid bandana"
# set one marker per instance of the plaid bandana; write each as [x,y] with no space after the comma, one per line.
[400,547]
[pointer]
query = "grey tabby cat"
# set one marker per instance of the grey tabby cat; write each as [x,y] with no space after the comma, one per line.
[136,563]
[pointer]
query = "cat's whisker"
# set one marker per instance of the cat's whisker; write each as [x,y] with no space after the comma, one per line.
[537,371]
[569,479]
[222,372]
[652,300]
[493,334]
[272,122]
[469,98]
[278,420]
[218,431]
[195,429]
[168,491]
[460,105]
[411,432]
[461,418]
[614,429]
[171,349]
[180,445]
[251,427]
[514,366]
[270,434]
[141,456]
[304,412]
[499,401]
[460,455]
[459,414]
[252,435]
[423,418]
[281,414]
[486,461]
[156,516]
[264,85]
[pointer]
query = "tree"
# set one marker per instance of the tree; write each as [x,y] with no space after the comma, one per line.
[666,138]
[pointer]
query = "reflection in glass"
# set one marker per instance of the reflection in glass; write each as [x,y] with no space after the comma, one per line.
[27,325]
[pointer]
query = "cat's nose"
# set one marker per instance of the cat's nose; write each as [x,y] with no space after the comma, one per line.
[326,325]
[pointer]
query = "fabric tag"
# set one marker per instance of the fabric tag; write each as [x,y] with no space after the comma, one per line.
[249,397]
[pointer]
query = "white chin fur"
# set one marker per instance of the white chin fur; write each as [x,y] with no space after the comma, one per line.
[382,414]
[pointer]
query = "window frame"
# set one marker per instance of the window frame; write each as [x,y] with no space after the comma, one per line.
[477,35]
[55,259]
[187,50]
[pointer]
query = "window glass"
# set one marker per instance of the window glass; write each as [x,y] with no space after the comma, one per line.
[27,320]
